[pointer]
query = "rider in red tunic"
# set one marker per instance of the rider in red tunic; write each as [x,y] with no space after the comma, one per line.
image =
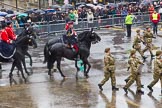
[9,30]
[5,37]
[72,35]
[7,47]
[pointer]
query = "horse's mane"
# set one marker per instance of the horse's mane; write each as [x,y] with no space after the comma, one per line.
[83,35]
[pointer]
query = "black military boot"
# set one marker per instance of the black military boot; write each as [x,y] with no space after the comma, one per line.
[152,56]
[126,80]
[100,87]
[114,88]
[144,58]
[142,86]
[140,91]
[150,88]
[126,90]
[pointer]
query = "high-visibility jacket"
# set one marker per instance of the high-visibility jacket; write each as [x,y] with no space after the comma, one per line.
[129,19]
[155,17]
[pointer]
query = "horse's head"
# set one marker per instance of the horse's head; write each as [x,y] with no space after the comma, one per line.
[94,37]
[89,36]
[27,37]
[30,31]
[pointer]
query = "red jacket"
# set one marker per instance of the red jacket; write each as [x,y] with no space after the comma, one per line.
[4,36]
[155,21]
[11,34]
[67,26]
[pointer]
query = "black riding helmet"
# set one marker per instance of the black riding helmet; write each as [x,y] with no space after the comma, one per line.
[8,23]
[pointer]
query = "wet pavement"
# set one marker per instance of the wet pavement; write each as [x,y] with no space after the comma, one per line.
[40,91]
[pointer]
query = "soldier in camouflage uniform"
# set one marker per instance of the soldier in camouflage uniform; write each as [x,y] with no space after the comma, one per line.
[136,44]
[135,75]
[109,70]
[157,71]
[148,41]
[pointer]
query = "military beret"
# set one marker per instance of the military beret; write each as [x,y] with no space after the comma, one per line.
[107,49]
[133,51]
[147,27]
[138,30]
[158,52]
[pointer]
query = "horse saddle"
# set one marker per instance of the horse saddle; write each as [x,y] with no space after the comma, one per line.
[7,50]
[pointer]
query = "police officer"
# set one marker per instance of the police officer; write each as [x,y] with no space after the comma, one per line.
[155,18]
[109,70]
[157,71]
[129,21]
[136,44]
[148,41]
[135,75]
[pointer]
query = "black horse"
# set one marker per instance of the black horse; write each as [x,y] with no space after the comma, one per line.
[55,50]
[24,39]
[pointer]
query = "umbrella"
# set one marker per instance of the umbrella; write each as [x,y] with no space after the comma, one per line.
[55,6]
[78,4]
[50,11]
[10,15]
[67,6]
[100,7]
[22,15]
[90,5]
[2,18]
[3,13]
[81,6]
[39,12]
[10,12]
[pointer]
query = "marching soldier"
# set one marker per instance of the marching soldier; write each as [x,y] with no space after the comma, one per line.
[157,71]
[148,41]
[136,44]
[135,75]
[109,70]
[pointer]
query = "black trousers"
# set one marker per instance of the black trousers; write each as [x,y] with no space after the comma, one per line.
[128,30]
[155,28]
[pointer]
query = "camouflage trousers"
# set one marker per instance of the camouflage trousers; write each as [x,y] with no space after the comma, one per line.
[107,75]
[137,47]
[134,77]
[156,78]
[148,47]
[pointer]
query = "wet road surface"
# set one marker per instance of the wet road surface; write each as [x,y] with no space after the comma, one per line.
[42,92]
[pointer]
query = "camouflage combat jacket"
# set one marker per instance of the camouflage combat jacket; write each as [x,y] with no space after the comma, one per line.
[109,62]
[134,63]
[148,37]
[158,66]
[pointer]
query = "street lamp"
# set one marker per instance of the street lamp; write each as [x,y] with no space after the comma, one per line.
[39,4]
[16,6]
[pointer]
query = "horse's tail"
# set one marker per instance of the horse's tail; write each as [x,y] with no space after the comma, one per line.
[46,52]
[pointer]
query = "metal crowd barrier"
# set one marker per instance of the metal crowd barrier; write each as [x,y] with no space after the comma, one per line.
[49,28]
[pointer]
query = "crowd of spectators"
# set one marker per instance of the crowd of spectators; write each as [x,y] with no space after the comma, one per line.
[85,13]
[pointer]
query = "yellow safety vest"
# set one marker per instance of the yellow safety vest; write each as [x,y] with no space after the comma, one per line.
[154,16]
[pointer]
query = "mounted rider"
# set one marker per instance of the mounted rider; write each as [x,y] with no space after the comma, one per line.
[71,37]
[7,45]
[10,31]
